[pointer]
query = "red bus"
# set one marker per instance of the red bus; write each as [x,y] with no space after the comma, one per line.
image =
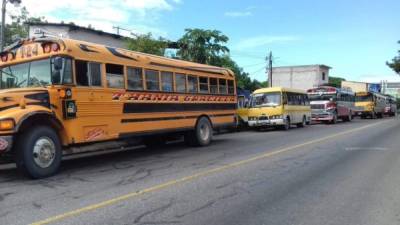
[328,104]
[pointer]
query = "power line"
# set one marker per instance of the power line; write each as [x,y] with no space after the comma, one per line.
[257,64]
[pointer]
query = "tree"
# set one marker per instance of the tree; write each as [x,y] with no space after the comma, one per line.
[336,81]
[395,63]
[147,44]
[202,46]
[243,79]
[19,26]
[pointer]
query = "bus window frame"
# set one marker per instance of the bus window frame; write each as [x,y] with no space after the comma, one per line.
[176,83]
[145,79]
[124,75]
[102,74]
[173,81]
[208,85]
[142,76]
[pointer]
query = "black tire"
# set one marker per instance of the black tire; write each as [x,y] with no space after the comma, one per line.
[373,115]
[303,123]
[348,118]
[335,118]
[202,134]
[287,124]
[45,140]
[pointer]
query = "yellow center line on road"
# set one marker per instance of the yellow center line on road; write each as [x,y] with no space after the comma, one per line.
[193,177]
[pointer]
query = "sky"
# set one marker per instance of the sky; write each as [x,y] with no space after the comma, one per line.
[354,37]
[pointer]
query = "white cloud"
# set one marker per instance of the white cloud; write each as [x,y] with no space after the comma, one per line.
[138,15]
[263,40]
[379,78]
[238,14]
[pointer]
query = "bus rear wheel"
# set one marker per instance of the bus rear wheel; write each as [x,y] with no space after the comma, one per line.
[39,152]
[303,123]
[201,135]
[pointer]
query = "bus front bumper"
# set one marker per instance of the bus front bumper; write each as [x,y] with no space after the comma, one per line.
[264,123]
[5,144]
[322,117]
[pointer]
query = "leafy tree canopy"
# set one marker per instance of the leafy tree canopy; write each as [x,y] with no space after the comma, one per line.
[336,81]
[395,63]
[18,28]
[146,43]
[202,46]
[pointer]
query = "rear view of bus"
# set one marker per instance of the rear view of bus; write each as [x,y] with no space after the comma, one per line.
[328,104]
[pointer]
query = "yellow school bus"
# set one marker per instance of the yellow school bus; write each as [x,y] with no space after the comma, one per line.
[62,96]
[279,107]
[370,104]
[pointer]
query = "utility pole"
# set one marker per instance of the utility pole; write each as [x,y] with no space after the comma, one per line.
[3,19]
[118,28]
[269,67]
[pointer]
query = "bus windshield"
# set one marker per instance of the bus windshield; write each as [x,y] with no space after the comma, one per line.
[266,99]
[323,97]
[35,74]
[364,98]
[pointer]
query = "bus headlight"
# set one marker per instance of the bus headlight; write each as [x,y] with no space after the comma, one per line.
[277,117]
[7,124]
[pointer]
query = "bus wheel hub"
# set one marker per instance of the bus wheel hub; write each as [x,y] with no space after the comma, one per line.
[44,152]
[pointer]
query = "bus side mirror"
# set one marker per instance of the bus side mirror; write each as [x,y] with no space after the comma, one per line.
[57,65]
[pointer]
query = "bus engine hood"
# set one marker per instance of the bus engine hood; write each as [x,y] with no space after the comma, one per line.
[20,98]
[265,111]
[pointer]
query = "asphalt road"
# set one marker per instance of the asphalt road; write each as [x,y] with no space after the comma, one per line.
[348,173]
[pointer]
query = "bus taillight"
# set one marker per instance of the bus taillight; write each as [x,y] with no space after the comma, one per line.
[55,47]
[49,47]
[4,58]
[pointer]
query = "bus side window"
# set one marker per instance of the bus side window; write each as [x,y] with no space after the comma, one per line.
[180,81]
[231,87]
[192,84]
[115,76]
[213,85]
[204,85]
[152,80]
[222,86]
[167,80]
[307,100]
[135,78]
[67,75]
[284,98]
[292,99]
[88,73]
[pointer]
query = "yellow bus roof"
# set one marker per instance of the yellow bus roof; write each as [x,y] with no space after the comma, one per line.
[96,52]
[278,89]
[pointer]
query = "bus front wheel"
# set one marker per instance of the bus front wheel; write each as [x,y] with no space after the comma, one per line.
[38,152]
[286,126]
[202,133]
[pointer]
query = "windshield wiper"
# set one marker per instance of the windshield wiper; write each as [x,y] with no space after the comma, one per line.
[9,74]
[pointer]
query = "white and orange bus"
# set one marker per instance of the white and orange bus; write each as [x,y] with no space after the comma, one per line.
[62,96]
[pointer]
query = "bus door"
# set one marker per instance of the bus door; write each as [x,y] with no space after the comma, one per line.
[91,101]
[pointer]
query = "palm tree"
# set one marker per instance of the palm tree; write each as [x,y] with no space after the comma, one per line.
[202,46]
